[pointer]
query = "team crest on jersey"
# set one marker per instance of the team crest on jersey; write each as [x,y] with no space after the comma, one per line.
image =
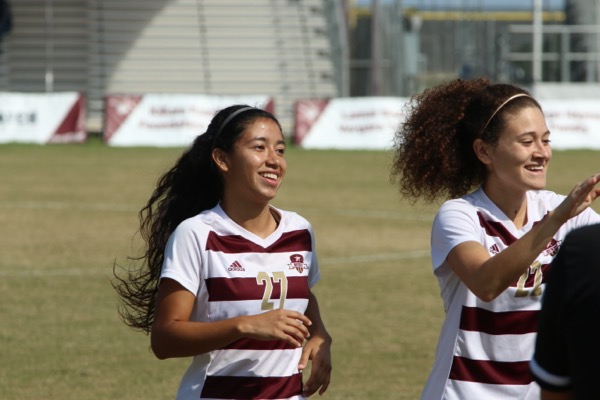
[297,263]
[552,248]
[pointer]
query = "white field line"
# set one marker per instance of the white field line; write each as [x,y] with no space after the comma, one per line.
[63,272]
[57,205]
[362,213]
[128,208]
[59,272]
[106,207]
[374,258]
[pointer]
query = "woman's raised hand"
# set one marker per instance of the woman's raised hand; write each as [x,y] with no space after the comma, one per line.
[580,198]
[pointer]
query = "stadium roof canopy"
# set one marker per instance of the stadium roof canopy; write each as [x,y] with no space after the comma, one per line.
[474,5]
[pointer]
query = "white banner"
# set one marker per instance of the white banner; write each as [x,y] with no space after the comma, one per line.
[348,123]
[42,118]
[166,120]
[370,123]
[574,124]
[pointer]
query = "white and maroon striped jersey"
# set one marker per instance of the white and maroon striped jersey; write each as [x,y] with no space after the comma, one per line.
[233,272]
[484,347]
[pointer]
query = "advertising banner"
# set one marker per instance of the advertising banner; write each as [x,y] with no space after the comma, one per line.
[348,123]
[369,123]
[574,124]
[166,120]
[42,118]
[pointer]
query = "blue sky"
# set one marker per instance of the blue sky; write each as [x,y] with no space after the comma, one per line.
[476,5]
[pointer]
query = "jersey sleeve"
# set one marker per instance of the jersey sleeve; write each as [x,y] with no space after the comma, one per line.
[314,274]
[588,217]
[456,222]
[182,261]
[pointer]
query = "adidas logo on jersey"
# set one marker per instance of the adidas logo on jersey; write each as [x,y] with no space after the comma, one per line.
[494,249]
[236,266]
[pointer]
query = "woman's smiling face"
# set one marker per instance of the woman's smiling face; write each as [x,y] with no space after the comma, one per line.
[256,166]
[519,160]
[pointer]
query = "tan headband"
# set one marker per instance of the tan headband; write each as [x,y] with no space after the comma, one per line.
[500,108]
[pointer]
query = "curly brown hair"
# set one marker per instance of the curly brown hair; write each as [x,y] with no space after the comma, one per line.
[433,147]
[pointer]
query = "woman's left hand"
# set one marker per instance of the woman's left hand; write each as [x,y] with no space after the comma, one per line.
[318,350]
[580,198]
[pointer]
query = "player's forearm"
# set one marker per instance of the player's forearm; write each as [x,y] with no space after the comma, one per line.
[187,338]
[507,266]
[317,329]
[550,395]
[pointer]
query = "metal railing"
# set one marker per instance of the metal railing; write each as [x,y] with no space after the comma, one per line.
[565,48]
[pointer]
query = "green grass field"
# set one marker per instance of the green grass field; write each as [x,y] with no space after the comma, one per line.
[68,212]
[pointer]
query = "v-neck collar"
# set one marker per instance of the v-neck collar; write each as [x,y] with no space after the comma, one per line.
[497,211]
[240,230]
